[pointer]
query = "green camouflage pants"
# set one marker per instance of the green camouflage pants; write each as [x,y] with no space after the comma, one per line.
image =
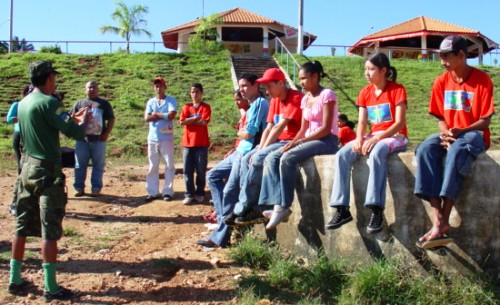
[41,202]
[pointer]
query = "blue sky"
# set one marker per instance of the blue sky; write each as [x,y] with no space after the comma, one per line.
[334,22]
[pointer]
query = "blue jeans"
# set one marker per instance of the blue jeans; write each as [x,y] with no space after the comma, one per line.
[377,164]
[440,172]
[195,159]
[85,151]
[280,170]
[251,176]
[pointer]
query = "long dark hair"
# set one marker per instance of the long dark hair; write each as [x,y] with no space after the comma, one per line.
[381,60]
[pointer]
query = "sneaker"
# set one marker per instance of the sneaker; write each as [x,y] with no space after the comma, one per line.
[61,294]
[267,214]
[12,208]
[250,218]
[150,198]
[210,217]
[278,215]
[207,243]
[376,220]
[199,199]
[167,198]
[229,220]
[18,289]
[79,193]
[188,200]
[342,217]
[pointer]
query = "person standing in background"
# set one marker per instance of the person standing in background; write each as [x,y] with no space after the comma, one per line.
[93,147]
[160,111]
[16,143]
[195,117]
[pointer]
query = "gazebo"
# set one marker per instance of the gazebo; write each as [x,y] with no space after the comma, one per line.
[241,32]
[420,38]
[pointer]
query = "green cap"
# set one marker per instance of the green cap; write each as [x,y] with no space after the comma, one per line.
[41,68]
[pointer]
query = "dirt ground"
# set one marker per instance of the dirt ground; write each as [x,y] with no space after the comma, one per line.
[121,250]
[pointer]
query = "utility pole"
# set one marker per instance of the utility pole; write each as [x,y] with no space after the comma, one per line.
[300,38]
[11,22]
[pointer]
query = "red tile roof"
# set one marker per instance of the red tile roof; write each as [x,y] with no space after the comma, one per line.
[232,16]
[421,26]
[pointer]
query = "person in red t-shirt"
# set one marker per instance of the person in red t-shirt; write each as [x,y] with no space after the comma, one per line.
[346,130]
[383,103]
[283,123]
[462,101]
[195,117]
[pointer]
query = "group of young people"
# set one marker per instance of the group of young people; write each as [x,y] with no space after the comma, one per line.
[258,185]
[255,182]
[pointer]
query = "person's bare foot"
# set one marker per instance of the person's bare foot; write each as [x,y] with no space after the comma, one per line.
[435,232]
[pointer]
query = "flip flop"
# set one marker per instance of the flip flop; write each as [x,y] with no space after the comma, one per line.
[437,242]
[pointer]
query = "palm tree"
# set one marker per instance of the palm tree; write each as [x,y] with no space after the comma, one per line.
[21,45]
[129,21]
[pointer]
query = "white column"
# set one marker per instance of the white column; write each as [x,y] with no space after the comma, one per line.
[423,39]
[265,41]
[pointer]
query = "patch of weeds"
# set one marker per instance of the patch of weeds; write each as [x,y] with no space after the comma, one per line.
[247,296]
[253,253]
[70,232]
[28,255]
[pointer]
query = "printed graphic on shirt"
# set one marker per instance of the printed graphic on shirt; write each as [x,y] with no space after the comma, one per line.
[379,113]
[61,112]
[192,115]
[95,123]
[458,100]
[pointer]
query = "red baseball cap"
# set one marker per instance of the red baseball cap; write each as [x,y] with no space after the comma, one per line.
[272,74]
[160,80]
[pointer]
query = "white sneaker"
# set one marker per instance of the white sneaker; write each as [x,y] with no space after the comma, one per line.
[278,216]
[188,200]
[199,199]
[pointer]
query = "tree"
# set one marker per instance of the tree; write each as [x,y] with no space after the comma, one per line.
[4,47]
[129,19]
[205,35]
[18,45]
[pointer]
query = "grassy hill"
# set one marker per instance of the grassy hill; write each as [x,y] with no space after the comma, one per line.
[125,80]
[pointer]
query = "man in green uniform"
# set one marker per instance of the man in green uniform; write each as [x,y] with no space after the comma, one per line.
[41,193]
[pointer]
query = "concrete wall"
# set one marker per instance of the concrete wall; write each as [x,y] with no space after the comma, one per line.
[475,219]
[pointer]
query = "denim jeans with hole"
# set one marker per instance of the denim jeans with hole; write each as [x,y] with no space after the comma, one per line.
[195,159]
[440,172]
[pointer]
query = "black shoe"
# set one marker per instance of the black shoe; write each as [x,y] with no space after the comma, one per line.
[250,218]
[229,220]
[376,220]
[150,198]
[61,294]
[167,198]
[207,243]
[18,289]
[342,217]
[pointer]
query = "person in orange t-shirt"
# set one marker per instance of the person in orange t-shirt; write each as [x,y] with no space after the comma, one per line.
[462,101]
[383,103]
[346,130]
[195,117]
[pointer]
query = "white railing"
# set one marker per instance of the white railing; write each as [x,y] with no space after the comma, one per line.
[292,66]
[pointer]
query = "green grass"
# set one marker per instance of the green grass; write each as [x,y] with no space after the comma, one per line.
[346,78]
[125,80]
[289,279]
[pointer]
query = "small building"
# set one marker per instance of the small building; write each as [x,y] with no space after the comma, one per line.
[241,32]
[420,38]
